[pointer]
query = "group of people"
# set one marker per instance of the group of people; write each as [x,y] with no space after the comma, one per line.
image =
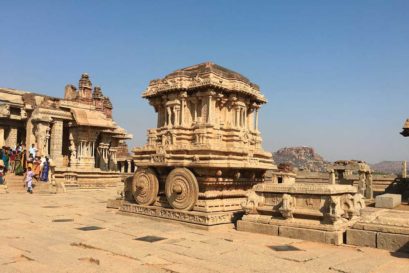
[15,160]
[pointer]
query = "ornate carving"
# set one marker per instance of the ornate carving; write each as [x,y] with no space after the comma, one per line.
[288,206]
[145,186]
[253,201]
[181,189]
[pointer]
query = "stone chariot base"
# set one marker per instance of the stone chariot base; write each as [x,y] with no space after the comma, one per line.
[197,219]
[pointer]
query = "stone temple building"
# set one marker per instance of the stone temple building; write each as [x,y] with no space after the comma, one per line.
[76,132]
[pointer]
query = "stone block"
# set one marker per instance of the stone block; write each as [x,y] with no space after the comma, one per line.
[114,203]
[393,242]
[361,238]
[257,228]
[388,200]
[328,237]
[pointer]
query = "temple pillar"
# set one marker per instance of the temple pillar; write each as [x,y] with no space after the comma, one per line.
[2,141]
[404,169]
[256,121]
[169,116]
[11,140]
[176,110]
[237,117]
[250,120]
[56,143]
[122,166]
[129,166]
[42,134]
[85,147]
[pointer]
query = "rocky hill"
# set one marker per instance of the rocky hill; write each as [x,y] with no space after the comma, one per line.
[302,158]
[388,167]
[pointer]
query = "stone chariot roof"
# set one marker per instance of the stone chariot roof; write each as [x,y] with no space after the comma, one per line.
[204,75]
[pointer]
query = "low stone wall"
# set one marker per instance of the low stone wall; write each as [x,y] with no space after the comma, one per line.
[380,182]
[76,178]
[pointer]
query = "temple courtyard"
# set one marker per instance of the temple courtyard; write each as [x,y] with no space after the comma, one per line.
[75,232]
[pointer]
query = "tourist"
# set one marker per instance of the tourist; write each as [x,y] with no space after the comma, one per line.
[30,161]
[28,179]
[5,158]
[33,150]
[45,170]
[36,166]
[2,173]
[13,155]
[19,163]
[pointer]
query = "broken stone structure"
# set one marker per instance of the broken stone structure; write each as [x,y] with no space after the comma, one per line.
[344,171]
[205,152]
[315,212]
[77,132]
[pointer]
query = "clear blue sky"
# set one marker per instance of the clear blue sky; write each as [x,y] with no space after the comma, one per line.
[336,73]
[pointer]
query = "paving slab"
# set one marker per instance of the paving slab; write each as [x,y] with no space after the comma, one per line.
[33,242]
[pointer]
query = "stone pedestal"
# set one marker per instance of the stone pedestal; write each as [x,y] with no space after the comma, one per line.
[388,200]
[320,213]
[381,228]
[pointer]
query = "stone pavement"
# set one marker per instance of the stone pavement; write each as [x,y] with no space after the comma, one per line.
[42,233]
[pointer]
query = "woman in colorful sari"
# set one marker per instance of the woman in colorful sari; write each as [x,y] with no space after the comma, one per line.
[19,168]
[6,160]
[44,172]
[36,166]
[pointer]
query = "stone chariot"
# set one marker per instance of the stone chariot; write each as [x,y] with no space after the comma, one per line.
[205,153]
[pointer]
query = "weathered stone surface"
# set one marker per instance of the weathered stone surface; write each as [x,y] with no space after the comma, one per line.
[361,237]
[335,238]
[257,228]
[114,203]
[388,200]
[393,242]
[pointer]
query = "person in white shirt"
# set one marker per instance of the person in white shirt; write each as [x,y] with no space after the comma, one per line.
[33,150]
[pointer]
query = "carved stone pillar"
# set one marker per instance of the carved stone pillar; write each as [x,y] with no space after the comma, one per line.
[112,162]
[11,140]
[237,117]
[122,165]
[250,120]
[256,121]
[42,134]
[85,145]
[129,166]
[56,143]
[169,116]
[176,110]
[2,140]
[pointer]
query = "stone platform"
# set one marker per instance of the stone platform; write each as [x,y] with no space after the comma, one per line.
[304,229]
[381,228]
[87,178]
[198,219]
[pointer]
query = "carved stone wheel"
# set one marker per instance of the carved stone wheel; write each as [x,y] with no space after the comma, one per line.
[145,187]
[182,189]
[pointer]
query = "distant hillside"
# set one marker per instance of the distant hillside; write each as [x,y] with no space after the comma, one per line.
[302,158]
[388,167]
[305,158]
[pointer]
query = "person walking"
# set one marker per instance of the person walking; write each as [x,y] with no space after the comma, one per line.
[44,172]
[28,179]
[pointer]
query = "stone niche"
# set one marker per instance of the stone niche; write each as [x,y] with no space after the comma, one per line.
[315,212]
[205,153]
